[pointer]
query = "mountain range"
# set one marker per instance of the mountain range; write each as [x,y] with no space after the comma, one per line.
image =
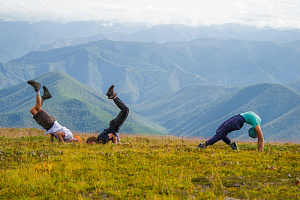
[18,38]
[145,70]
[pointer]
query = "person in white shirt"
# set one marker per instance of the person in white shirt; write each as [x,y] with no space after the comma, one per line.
[48,122]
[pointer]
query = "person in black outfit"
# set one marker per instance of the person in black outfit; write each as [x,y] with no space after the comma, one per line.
[111,133]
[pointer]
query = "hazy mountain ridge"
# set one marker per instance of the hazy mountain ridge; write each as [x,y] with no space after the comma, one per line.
[179,33]
[288,131]
[234,62]
[295,85]
[100,68]
[73,104]
[145,70]
[19,38]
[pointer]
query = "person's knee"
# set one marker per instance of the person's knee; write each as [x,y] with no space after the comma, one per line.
[124,112]
[126,109]
[219,135]
[33,111]
[222,133]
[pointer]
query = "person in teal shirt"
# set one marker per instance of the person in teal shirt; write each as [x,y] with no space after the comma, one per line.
[236,123]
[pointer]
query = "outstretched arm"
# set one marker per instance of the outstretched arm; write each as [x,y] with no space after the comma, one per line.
[260,137]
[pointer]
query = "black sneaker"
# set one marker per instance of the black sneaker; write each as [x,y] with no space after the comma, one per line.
[46,94]
[202,146]
[110,93]
[34,84]
[234,146]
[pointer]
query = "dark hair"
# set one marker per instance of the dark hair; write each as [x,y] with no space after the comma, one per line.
[91,139]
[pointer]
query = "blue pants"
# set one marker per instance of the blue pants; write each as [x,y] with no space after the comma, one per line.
[234,123]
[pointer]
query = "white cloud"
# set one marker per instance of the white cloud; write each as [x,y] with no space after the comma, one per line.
[274,13]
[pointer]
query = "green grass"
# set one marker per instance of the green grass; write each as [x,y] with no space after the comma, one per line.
[150,167]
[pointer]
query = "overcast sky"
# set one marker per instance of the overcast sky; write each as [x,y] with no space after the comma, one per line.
[272,13]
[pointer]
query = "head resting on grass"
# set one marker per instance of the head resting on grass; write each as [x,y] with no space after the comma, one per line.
[252,133]
[91,140]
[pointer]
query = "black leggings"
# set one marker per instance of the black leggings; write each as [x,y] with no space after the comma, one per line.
[116,123]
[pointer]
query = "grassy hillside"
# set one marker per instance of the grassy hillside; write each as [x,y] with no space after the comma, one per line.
[288,128]
[269,101]
[73,104]
[152,167]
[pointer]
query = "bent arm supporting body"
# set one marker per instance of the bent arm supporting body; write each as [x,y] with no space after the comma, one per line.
[60,136]
[260,137]
[114,138]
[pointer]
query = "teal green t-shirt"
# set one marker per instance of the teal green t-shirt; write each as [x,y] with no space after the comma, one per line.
[252,118]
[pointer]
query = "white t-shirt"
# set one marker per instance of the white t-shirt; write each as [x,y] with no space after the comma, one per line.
[59,128]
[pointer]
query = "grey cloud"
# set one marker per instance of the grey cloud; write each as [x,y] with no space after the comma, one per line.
[274,13]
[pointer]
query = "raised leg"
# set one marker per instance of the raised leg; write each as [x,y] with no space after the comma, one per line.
[116,123]
[38,105]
